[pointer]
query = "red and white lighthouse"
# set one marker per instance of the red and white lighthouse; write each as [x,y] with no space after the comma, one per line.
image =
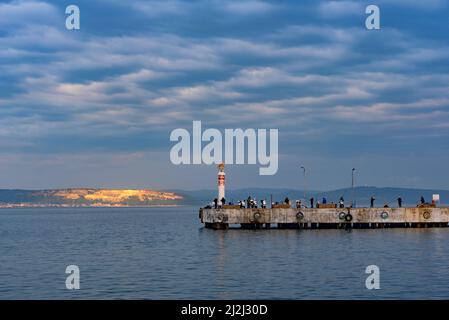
[221,182]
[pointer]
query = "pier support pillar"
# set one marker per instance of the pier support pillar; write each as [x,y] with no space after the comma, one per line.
[217,226]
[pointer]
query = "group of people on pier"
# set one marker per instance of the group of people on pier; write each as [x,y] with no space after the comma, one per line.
[399,200]
[223,202]
[341,202]
[317,204]
[251,202]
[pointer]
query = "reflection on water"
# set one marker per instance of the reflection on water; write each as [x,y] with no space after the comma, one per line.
[165,253]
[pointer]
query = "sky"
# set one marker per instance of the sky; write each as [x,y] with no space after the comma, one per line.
[95,107]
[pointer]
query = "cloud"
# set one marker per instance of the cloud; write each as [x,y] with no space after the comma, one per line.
[426,5]
[338,9]
[246,7]
[158,8]
[177,8]
[307,69]
[26,13]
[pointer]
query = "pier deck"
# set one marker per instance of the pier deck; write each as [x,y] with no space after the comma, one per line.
[325,218]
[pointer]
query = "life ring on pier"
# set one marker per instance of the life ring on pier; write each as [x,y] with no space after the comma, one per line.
[384,215]
[220,217]
[348,217]
[300,215]
[427,215]
[257,216]
[342,215]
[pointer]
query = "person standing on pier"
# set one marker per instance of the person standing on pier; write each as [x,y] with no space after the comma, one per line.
[312,200]
[423,200]
[216,203]
[400,202]
[223,202]
[342,202]
[372,201]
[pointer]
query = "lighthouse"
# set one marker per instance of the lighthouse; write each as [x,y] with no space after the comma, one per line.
[221,182]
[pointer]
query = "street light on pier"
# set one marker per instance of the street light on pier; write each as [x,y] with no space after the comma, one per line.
[305,183]
[353,190]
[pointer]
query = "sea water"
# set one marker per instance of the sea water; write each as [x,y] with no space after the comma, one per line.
[165,253]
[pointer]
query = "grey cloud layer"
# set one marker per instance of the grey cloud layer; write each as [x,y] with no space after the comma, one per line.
[317,82]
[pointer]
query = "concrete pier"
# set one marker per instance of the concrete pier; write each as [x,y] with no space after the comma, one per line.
[325,218]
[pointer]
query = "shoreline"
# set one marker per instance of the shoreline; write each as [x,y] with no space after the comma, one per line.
[31,206]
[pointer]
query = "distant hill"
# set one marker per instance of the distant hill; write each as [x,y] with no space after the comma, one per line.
[386,195]
[362,195]
[89,197]
[144,197]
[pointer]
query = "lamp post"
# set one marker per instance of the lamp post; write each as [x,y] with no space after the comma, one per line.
[353,191]
[305,183]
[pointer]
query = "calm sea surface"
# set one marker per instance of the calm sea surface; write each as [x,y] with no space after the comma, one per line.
[165,253]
